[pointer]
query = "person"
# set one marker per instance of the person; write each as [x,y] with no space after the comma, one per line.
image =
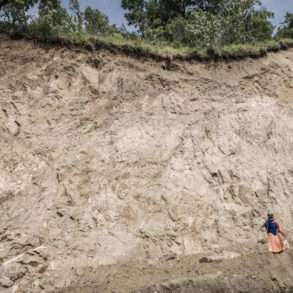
[275,234]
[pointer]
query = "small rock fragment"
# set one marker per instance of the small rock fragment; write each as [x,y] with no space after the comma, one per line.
[5,282]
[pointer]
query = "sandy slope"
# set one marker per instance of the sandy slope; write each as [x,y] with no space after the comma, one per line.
[106,160]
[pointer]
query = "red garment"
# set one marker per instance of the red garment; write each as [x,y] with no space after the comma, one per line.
[276,242]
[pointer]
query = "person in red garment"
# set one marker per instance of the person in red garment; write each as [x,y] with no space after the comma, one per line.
[276,235]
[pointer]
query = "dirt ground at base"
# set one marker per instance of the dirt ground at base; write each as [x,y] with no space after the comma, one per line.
[259,272]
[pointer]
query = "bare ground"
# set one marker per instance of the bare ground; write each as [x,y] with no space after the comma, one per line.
[259,272]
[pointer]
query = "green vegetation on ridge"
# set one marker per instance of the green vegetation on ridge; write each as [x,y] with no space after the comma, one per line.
[199,29]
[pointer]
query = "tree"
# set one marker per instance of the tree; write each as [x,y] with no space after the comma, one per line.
[52,20]
[241,20]
[234,21]
[212,6]
[19,3]
[169,9]
[286,29]
[136,13]
[245,21]
[75,8]
[13,12]
[259,27]
[150,14]
[199,29]
[95,21]
[174,8]
[52,12]
[3,3]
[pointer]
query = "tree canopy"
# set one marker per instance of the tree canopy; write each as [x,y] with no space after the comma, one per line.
[24,3]
[200,22]
[286,29]
[95,21]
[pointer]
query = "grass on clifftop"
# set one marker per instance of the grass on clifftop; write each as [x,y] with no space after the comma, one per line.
[141,48]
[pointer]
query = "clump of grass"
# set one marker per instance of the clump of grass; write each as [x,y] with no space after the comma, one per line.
[272,46]
[286,43]
[241,51]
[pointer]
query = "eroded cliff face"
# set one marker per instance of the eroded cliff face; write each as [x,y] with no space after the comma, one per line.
[107,160]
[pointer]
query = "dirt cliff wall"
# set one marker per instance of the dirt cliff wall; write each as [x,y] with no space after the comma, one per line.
[107,160]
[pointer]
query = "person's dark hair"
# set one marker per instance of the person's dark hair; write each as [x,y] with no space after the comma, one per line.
[270,215]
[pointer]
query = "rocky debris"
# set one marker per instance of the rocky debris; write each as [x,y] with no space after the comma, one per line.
[14,127]
[5,282]
[206,260]
[107,160]
[14,271]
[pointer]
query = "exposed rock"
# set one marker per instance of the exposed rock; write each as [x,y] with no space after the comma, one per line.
[5,282]
[14,271]
[107,160]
